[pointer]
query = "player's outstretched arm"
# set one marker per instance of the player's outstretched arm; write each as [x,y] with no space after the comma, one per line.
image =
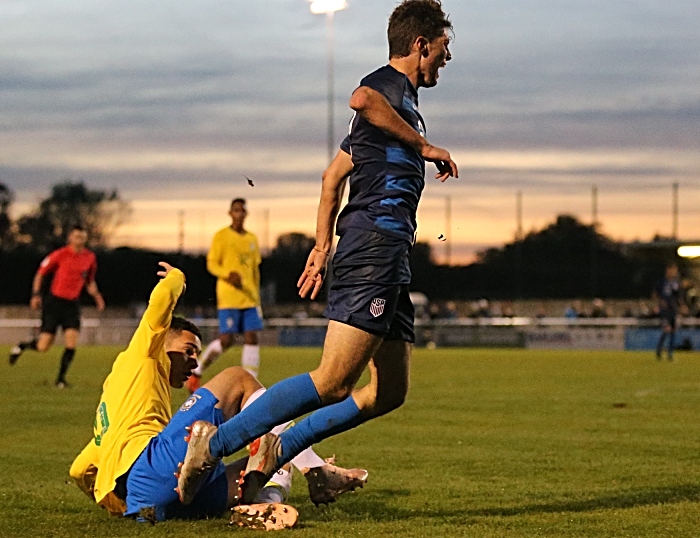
[334,180]
[164,297]
[374,107]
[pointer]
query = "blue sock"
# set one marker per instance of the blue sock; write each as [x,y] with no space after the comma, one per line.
[323,423]
[671,344]
[282,402]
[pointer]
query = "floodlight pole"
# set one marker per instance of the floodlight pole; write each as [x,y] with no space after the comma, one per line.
[674,232]
[266,231]
[329,8]
[518,215]
[330,41]
[594,205]
[448,230]
[181,231]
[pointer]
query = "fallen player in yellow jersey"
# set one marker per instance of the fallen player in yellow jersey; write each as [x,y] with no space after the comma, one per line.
[130,465]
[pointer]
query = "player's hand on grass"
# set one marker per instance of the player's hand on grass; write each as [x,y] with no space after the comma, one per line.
[35,302]
[441,157]
[311,279]
[235,280]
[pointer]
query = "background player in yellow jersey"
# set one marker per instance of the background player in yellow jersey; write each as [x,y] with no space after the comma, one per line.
[129,466]
[234,258]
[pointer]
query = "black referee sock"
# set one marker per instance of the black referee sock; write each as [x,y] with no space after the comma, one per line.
[67,358]
[28,345]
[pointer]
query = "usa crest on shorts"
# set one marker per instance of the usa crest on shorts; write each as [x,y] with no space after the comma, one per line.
[376,307]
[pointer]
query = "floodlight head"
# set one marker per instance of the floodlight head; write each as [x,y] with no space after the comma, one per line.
[327,6]
[689,251]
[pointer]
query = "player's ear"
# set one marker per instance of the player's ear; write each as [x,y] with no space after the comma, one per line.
[422,45]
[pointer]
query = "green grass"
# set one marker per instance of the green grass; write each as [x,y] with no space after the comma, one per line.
[491,443]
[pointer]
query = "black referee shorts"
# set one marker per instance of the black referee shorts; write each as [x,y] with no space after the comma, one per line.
[369,291]
[57,312]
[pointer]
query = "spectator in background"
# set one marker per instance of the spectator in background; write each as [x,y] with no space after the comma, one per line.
[691,297]
[504,310]
[573,310]
[643,311]
[541,311]
[669,294]
[599,309]
[483,308]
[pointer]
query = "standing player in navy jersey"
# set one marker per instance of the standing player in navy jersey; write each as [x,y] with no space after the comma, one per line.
[371,315]
[670,296]
[74,267]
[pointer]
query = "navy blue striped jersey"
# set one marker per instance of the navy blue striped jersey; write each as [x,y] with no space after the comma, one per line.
[388,176]
[671,295]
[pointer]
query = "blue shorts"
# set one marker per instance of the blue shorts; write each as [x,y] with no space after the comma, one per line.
[371,276]
[237,321]
[151,480]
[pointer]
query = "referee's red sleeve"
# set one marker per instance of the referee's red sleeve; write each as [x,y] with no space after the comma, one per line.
[51,261]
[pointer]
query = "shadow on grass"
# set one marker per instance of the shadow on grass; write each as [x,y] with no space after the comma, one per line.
[379,505]
[626,499]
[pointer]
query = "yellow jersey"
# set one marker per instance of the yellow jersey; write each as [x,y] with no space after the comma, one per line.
[135,405]
[235,252]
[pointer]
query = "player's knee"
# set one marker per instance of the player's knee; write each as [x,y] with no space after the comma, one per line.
[237,375]
[226,340]
[251,338]
[333,392]
[388,402]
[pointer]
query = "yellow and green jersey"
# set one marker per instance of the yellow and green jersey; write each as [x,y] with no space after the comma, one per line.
[235,252]
[135,405]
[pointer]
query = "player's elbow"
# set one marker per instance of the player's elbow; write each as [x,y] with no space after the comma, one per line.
[361,99]
[84,478]
[76,472]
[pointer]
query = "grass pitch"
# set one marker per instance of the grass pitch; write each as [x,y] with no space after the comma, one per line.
[491,443]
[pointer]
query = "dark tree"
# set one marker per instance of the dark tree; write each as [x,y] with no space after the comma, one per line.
[565,259]
[6,235]
[285,264]
[70,204]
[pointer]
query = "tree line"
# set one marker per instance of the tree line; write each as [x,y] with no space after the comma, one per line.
[565,259]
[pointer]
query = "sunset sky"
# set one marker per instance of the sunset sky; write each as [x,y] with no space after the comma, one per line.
[172,103]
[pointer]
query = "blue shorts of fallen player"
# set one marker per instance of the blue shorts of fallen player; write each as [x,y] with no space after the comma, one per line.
[151,481]
[238,321]
[369,291]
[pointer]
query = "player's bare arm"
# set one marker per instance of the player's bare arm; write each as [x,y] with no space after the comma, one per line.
[334,180]
[96,295]
[374,107]
[35,301]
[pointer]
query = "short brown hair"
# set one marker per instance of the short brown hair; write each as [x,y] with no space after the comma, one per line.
[237,201]
[179,324]
[412,19]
